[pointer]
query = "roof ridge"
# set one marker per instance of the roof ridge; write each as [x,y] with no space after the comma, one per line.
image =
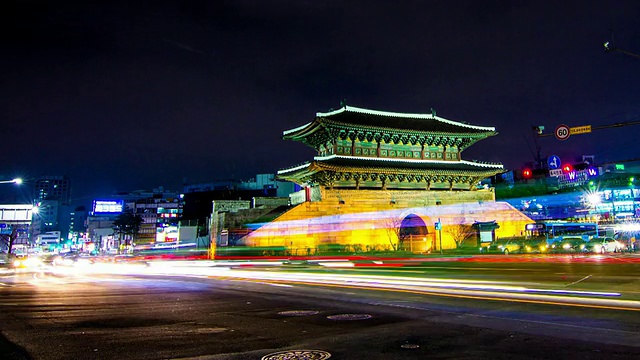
[430,116]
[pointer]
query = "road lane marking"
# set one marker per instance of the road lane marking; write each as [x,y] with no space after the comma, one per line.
[581,280]
[494,297]
[273,284]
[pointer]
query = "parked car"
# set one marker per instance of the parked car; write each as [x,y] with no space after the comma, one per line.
[612,245]
[595,246]
[601,245]
[534,246]
[567,245]
[503,246]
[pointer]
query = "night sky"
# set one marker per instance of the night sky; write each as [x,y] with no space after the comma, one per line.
[135,95]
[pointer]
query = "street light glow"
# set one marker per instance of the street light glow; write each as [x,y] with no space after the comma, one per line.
[17,181]
[594,199]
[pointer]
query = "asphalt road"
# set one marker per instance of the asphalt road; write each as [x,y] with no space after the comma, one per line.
[110,316]
[588,273]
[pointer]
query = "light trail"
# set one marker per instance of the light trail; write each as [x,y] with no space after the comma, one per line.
[566,301]
[460,288]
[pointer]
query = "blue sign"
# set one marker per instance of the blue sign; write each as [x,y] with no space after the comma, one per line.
[592,172]
[553,162]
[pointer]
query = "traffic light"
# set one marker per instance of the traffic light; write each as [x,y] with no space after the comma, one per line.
[526,173]
[567,168]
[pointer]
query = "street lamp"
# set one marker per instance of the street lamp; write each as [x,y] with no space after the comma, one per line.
[16,181]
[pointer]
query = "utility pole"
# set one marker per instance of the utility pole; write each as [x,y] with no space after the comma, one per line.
[601,127]
[537,131]
[609,48]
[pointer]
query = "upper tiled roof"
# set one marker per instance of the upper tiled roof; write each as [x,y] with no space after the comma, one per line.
[385,119]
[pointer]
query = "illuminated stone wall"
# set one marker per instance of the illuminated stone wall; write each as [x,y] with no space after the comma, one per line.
[368,219]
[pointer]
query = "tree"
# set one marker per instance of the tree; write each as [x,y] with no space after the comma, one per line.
[12,233]
[396,237]
[7,240]
[127,224]
[460,233]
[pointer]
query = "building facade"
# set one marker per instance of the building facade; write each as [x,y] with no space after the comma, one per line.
[160,215]
[159,209]
[52,197]
[53,188]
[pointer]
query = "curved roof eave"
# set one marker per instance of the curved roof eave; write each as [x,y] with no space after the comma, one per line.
[405,115]
[293,169]
[287,132]
[364,159]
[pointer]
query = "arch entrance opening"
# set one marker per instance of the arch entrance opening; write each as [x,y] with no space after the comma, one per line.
[414,235]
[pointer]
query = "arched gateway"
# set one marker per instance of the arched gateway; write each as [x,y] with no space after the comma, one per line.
[414,235]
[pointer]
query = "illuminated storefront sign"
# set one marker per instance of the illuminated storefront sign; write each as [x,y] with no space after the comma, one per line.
[108,206]
[167,234]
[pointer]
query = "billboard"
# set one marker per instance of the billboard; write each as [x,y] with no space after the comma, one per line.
[20,213]
[108,206]
[167,234]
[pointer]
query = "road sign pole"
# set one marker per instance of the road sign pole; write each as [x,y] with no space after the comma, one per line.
[440,233]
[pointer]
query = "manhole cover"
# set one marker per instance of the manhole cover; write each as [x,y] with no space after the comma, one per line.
[298,313]
[349,317]
[298,354]
[409,346]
